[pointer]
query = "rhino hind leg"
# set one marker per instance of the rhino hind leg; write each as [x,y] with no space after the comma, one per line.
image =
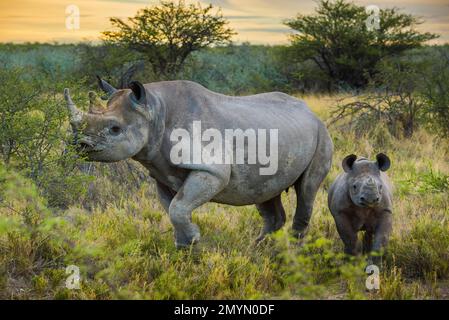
[307,185]
[165,195]
[273,215]
[199,188]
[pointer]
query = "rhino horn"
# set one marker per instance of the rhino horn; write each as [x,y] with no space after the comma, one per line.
[76,115]
[93,106]
[106,87]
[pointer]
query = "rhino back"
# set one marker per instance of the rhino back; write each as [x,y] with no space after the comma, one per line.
[187,101]
[298,128]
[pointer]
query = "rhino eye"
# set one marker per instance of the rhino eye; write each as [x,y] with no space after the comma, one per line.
[354,187]
[115,130]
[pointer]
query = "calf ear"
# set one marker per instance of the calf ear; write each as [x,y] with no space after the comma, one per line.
[383,162]
[348,162]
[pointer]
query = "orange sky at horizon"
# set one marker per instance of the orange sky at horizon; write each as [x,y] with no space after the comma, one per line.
[256,21]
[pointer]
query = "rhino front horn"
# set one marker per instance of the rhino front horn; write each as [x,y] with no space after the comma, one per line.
[75,115]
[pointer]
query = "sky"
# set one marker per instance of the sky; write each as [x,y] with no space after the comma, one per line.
[256,21]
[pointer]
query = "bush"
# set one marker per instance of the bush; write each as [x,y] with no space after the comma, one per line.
[236,70]
[424,251]
[315,269]
[407,92]
[34,138]
[32,246]
[435,88]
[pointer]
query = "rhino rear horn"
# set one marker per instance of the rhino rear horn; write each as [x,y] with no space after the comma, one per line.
[93,105]
[106,87]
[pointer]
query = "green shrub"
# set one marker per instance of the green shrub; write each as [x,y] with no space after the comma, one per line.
[316,269]
[31,242]
[423,251]
[34,138]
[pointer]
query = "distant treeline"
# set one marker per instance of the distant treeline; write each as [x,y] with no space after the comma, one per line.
[234,69]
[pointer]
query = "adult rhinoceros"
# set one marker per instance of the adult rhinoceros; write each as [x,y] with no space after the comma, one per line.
[139,122]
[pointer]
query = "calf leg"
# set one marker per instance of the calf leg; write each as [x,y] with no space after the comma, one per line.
[367,242]
[381,236]
[199,188]
[347,233]
[273,215]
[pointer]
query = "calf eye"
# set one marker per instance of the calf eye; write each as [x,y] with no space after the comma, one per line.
[115,130]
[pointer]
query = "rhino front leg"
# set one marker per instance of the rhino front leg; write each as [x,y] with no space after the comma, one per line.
[381,236]
[347,233]
[199,188]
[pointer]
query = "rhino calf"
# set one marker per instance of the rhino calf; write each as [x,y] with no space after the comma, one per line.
[360,199]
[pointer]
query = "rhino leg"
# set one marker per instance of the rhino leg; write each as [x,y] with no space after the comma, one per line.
[165,195]
[381,236]
[273,215]
[307,185]
[199,188]
[367,242]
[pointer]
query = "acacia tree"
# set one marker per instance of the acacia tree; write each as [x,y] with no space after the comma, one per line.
[338,41]
[169,32]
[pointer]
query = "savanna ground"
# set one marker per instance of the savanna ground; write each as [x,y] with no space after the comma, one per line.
[123,243]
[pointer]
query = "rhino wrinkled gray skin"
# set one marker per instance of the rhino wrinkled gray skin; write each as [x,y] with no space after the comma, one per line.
[361,199]
[137,124]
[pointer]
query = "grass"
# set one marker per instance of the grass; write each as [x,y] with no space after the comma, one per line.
[124,245]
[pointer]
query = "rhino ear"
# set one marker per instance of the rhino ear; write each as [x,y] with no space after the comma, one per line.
[383,162]
[139,92]
[141,100]
[106,87]
[348,162]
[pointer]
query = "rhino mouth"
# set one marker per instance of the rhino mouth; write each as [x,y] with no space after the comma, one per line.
[367,204]
[88,147]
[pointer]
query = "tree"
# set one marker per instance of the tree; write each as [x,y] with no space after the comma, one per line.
[338,41]
[435,88]
[394,99]
[169,32]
